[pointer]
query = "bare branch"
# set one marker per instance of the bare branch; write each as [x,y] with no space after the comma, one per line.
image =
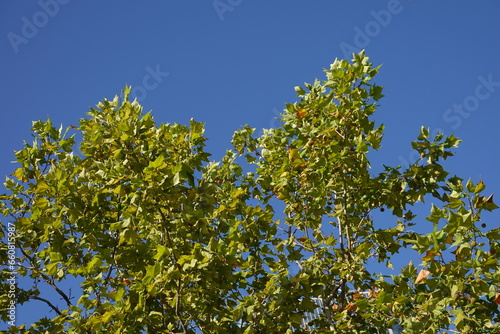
[52,306]
[48,280]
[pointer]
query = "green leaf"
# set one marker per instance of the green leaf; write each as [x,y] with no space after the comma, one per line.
[126,92]
[300,91]
[151,272]
[119,190]
[460,317]
[376,92]
[160,251]
[489,204]
[177,179]
[42,187]
[123,126]
[436,214]
[249,330]
[107,316]
[470,186]
[158,162]
[162,240]
[51,268]
[55,257]
[480,186]
[95,262]
[424,133]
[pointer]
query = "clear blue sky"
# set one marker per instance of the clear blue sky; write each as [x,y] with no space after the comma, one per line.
[232,62]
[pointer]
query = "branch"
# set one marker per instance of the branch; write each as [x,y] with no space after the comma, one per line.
[25,267]
[59,291]
[300,266]
[164,219]
[179,267]
[341,234]
[177,307]
[52,306]
[42,275]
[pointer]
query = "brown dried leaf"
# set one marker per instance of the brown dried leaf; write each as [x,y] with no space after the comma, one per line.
[497,298]
[357,295]
[351,307]
[301,113]
[422,275]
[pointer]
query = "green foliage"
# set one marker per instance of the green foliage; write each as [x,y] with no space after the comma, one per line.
[165,241]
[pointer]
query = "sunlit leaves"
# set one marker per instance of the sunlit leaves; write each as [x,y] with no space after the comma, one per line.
[286,223]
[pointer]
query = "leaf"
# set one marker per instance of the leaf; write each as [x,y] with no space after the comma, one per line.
[459,317]
[422,275]
[157,162]
[301,112]
[123,126]
[376,92]
[126,92]
[453,291]
[119,190]
[95,262]
[151,272]
[449,239]
[42,186]
[51,268]
[249,330]
[480,186]
[424,133]
[106,316]
[293,154]
[497,299]
[429,256]
[300,91]
[55,256]
[177,179]
[489,204]
[470,186]
[351,307]
[357,295]
[19,173]
[158,235]
[160,251]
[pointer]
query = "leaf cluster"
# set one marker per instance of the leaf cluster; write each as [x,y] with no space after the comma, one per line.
[284,226]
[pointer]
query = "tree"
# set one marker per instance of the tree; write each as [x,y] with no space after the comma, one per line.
[164,241]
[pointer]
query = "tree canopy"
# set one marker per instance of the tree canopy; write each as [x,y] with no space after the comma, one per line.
[287,224]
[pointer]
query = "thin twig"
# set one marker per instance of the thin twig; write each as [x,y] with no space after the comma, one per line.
[52,306]
[45,278]
[177,307]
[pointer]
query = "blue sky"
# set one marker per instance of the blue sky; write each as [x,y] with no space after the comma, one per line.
[233,62]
